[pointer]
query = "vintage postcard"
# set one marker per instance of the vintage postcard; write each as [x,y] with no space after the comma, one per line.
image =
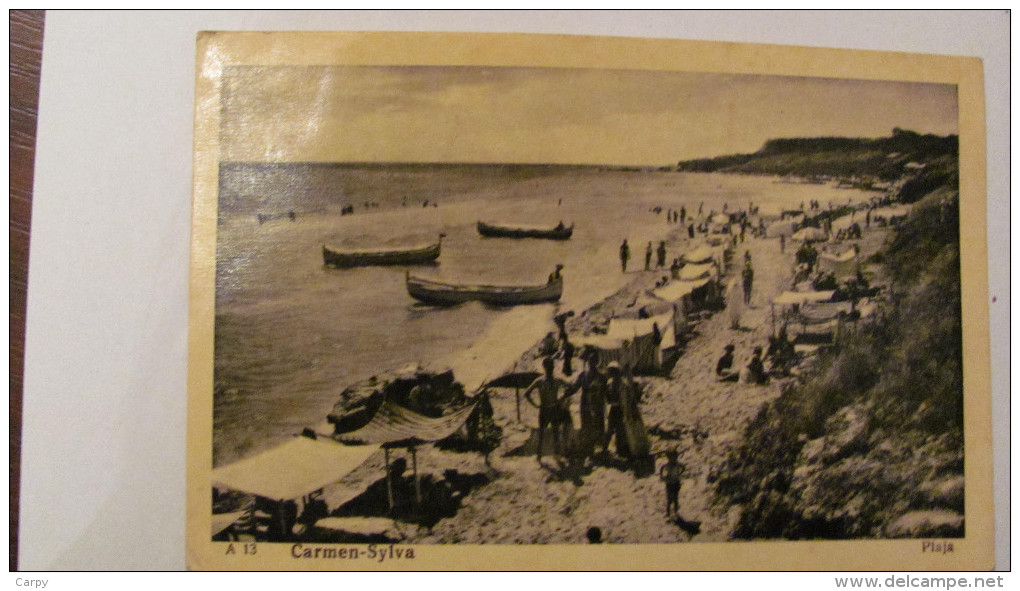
[468,301]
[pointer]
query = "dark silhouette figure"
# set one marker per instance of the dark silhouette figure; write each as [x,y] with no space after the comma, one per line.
[725,363]
[748,276]
[552,410]
[756,369]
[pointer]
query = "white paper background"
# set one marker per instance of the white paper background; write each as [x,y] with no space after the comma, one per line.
[105,371]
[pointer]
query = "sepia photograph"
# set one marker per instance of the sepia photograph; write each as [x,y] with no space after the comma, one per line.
[524,292]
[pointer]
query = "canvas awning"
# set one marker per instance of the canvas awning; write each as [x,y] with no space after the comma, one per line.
[810,234]
[639,332]
[396,426]
[221,521]
[695,272]
[599,341]
[294,469]
[700,255]
[676,290]
[849,255]
[789,298]
[820,313]
[622,328]
[891,212]
[780,228]
[518,379]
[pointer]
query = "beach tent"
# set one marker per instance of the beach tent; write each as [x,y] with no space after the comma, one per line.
[780,228]
[648,305]
[840,265]
[676,294]
[707,254]
[700,255]
[795,298]
[608,349]
[810,234]
[294,469]
[688,295]
[695,272]
[790,298]
[818,318]
[647,338]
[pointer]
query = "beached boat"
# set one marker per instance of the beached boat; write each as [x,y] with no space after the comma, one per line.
[449,294]
[557,232]
[415,255]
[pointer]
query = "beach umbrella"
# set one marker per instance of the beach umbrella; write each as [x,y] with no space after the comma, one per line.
[515,380]
[518,379]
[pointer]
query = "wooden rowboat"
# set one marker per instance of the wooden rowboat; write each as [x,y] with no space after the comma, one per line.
[416,255]
[448,294]
[558,232]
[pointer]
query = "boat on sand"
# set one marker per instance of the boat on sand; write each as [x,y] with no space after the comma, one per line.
[415,255]
[557,232]
[450,294]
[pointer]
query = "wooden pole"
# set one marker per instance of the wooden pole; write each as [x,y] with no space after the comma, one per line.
[517,394]
[389,479]
[417,479]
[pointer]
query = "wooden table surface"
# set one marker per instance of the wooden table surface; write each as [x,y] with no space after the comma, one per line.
[26,38]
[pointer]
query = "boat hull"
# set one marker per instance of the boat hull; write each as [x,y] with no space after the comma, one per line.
[500,231]
[445,294]
[335,257]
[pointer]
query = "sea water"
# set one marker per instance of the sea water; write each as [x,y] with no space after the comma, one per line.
[291,333]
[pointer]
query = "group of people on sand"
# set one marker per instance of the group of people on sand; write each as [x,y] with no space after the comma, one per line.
[755,368]
[609,410]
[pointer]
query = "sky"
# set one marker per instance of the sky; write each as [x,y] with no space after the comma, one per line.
[550,115]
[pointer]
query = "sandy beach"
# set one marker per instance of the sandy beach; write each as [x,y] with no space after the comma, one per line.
[519,501]
[527,503]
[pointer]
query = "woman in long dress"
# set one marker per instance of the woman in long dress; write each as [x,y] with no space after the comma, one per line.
[735,302]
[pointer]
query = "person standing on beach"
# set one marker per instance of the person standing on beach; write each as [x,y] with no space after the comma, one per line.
[671,475]
[782,243]
[624,254]
[648,257]
[734,303]
[549,405]
[660,255]
[683,214]
[690,231]
[568,355]
[592,384]
[616,397]
[561,323]
[748,276]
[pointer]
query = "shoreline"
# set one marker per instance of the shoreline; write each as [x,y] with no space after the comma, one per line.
[687,409]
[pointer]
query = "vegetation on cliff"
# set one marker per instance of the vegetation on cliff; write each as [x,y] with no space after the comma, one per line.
[871,445]
[864,159]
